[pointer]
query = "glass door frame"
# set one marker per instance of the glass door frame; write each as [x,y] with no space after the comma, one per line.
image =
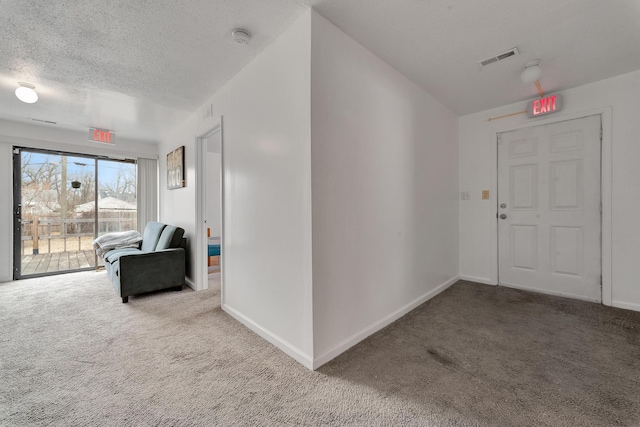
[17,206]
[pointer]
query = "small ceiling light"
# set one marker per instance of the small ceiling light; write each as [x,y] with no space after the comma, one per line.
[241,36]
[531,71]
[27,93]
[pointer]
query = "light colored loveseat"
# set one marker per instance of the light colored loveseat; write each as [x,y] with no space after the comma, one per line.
[159,262]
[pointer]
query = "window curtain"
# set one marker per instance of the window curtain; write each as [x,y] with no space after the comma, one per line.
[147,192]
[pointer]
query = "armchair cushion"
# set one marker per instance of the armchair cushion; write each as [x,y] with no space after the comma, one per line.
[114,254]
[151,235]
[171,237]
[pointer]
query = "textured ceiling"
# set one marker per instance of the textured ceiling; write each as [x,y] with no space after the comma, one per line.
[137,66]
[130,66]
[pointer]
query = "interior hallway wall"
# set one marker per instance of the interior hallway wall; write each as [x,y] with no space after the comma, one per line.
[384,187]
[178,206]
[267,185]
[51,138]
[477,136]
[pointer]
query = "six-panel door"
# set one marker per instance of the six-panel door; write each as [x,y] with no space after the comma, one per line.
[549,208]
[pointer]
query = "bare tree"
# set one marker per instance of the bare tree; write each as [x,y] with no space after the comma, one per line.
[121,186]
[43,190]
[40,182]
[86,192]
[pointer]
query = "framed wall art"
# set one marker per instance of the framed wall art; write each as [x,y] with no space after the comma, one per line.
[175,169]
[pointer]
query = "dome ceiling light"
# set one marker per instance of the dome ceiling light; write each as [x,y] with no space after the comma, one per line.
[26,93]
[531,71]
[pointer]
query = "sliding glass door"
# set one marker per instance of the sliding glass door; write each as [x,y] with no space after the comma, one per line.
[62,201]
[117,198]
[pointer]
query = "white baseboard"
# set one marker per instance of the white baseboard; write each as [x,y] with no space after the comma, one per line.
[478,280]
[375,327]
[190,283]
[547,292]
[289,349]
[626,305]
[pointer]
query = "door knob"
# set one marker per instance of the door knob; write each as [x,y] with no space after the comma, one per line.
[503,216]
[503,205]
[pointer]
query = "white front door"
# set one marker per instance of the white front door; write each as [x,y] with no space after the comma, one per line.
[549,208]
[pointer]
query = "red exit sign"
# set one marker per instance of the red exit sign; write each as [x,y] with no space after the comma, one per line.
[546,105]
[103,136]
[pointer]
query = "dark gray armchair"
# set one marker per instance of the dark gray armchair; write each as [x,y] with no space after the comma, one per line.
[159,262]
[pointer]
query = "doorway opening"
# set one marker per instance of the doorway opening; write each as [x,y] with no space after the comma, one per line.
[549,208]
[213,220]
[210,210]
[62,202]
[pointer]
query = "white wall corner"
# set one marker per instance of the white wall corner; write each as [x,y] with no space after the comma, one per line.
[300,356]
[190,283]
[482,280]
[381,323]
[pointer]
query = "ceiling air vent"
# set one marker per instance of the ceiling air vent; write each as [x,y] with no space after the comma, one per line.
[499,57]
[49,122]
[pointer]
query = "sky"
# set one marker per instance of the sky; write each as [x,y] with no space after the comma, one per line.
[107,169]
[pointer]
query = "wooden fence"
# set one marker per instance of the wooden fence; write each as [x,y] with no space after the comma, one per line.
[57,235]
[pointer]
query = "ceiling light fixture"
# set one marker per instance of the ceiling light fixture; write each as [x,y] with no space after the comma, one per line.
[241,36]
[26,93]
[531,72]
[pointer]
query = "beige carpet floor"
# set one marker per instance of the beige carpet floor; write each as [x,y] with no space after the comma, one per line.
[71,354]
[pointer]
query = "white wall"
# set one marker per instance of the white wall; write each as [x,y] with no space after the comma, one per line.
[6,213]
[52,138]
[76,141]
[477,217]
[267,185]
[178,206]
[385,183]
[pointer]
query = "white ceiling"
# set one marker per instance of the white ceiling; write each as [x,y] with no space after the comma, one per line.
[136,67]
[437,43]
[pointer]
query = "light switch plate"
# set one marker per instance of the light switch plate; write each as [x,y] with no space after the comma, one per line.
[485,194]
